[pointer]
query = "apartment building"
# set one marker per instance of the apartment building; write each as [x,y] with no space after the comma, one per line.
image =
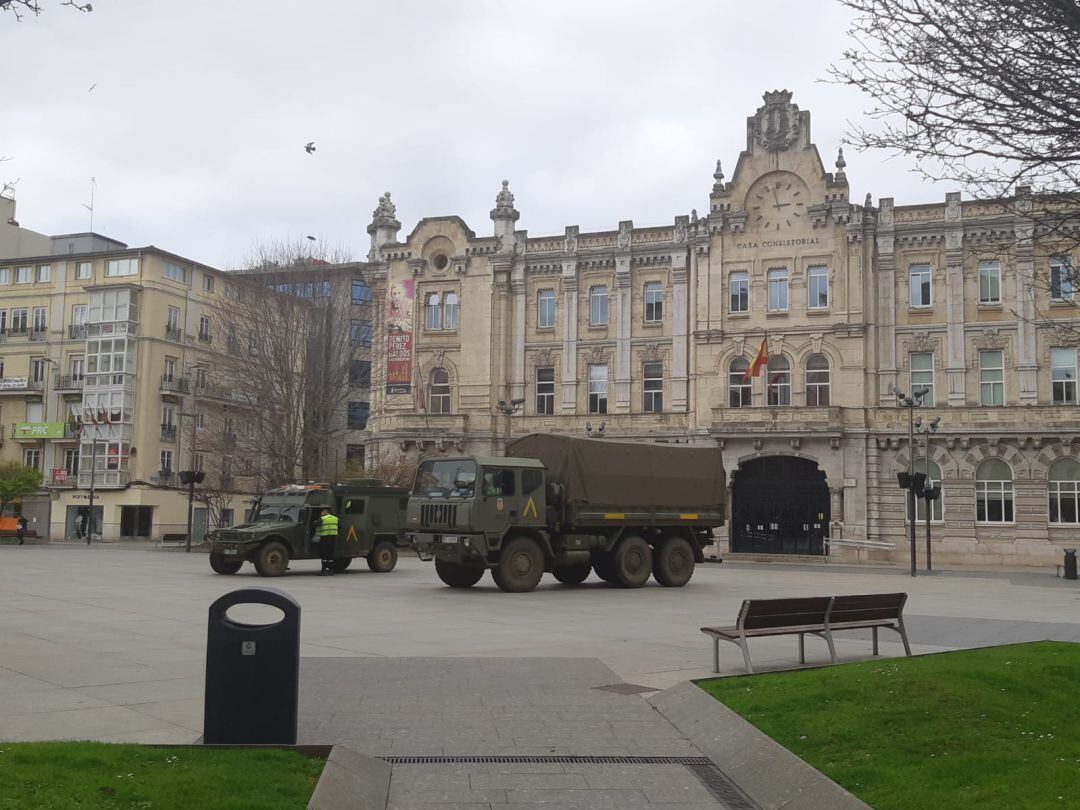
[107,357]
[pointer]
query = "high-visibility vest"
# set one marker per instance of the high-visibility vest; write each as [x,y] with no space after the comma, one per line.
[327,527]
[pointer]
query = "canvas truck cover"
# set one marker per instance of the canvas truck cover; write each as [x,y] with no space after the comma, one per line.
[598,472]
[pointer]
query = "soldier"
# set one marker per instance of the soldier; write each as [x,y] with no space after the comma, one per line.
[327,531]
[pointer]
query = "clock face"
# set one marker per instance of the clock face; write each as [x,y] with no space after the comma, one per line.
[778,201]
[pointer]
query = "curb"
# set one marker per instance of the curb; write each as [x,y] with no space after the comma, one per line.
[769,774]
[352,781]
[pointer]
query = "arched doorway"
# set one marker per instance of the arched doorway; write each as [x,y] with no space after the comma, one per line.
[779,505]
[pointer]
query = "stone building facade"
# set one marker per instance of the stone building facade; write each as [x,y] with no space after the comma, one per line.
[646,333]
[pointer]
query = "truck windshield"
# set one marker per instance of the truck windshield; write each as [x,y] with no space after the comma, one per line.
[451,478]
[280,510]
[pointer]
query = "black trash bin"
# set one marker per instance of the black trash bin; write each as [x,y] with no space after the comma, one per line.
[1070,563]
[252,672]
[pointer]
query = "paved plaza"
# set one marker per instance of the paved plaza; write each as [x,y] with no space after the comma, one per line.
[108,643]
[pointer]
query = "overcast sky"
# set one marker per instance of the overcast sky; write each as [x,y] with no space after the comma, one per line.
[595,112]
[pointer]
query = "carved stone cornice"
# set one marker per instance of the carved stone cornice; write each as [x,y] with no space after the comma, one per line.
[416,266]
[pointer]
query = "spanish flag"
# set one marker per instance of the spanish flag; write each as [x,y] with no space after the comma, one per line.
[760,359]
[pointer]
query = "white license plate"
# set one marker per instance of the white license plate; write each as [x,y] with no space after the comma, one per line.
[229,551]
[450,538]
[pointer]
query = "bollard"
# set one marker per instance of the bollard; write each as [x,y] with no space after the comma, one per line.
[252,673]
[1070,563]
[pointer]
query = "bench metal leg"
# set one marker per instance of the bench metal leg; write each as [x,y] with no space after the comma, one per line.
[746,654]
[903,636]
[715,654]
[832,647]
[802,648]
[875,640]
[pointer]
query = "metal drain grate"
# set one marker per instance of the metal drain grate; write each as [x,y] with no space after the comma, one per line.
[549,760]
[722,788]
[626,688]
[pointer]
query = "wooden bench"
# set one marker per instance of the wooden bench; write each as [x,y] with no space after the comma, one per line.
[817,615]
[179,539]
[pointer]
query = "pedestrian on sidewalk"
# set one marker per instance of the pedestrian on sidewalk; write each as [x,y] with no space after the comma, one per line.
[327,531]
[80,523]
[20,529]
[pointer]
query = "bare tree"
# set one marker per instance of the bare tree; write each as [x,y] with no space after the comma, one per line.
[216,502]
[985,94]
[20,8]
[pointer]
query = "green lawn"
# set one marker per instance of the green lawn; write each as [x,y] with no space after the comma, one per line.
[63,775]
[991,728]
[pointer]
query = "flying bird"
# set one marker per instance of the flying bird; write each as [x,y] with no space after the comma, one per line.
[312,238]
[309,147]
[92,87]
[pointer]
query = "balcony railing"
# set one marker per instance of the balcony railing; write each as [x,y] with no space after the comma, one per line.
[63,478]
[175,385]
[20,385]
[173,333]
[165,478]
[77,331]
[68,382]
[18,331]
[205,337]
[38,334]
[104,479]
[168,433]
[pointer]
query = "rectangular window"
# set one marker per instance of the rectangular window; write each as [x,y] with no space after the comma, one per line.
[778,290]
[1063,375]
[739,287]
[40,319]
[993,502]
[361,293]
[231,291]
[598,388]
[433,311]
[121,267]
[739,393]
[204,329]
[197,462]
[22,275]
[169,372]
[37,370]
[989,282]
[598,307]
[172,318]
[545,391]
[71,461]
[361,333]
[360,374]
[922,375]
[358,415]
[921,285]
[32,458]
[451,311]
[992,377]
[1062,279]
[5,275]
[19,321]
[165,461]
[545,309]
[78,366]
[83,271]
[654,302]
[78,315]
[207,282]
[175,272]
[44,273]
[653,376]
[817,288]
[3,324]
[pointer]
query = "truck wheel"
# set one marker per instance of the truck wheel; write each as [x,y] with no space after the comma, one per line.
[222,564]
[458,576]
[340,564]
[382,558]
[521,564]
[572,574]
[673,563]
[633,562]
[272,560]
[604,566]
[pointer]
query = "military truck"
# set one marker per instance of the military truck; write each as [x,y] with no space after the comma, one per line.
[282,528]
[568,506]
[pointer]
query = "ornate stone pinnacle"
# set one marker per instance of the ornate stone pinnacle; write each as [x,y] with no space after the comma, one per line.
[384,215]
[718,175]
[841,164]
[504,204]
[869,200]
[777,97]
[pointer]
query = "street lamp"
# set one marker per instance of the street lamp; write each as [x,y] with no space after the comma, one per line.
[929,493]
[191,476]
[508,409]
[912,481]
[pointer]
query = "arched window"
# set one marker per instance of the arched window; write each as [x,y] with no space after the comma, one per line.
[779,381]
[817,380]
[993,492]
[1065,491]
[440,391]
[932,477]
[738,383]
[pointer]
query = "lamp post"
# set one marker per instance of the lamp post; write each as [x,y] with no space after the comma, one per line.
[51,461]
[508,409]
[191,476]
[929,493]
[911,481]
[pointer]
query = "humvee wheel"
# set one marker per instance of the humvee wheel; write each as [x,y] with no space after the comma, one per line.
[632,562]
[604,566]
[339,564]
[673,563]
[382,558]
[223,565]
[520,567]
[272,560]
[458,576]
[572,574]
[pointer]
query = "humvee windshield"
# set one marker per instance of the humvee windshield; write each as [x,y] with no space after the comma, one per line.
[452,478]
[280,509]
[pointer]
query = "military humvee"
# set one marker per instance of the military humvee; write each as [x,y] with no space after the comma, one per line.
[282,528]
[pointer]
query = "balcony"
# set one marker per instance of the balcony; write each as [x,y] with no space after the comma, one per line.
[205,337]
[104,479]
[165,478]
[795,419]
[174,385]
[173,333]
[68,382]
[62,478]
[18,332]
[77,331]
[20,385]
[39,335]
[168,433]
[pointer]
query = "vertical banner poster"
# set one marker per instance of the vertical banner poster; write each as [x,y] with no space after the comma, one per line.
[399,337]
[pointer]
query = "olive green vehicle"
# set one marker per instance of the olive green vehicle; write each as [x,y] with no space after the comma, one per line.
[568,506]
[282,528]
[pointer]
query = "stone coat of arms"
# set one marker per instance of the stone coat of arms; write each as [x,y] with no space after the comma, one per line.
[777,122]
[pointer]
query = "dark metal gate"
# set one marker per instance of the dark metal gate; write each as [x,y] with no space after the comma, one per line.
[779,505]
